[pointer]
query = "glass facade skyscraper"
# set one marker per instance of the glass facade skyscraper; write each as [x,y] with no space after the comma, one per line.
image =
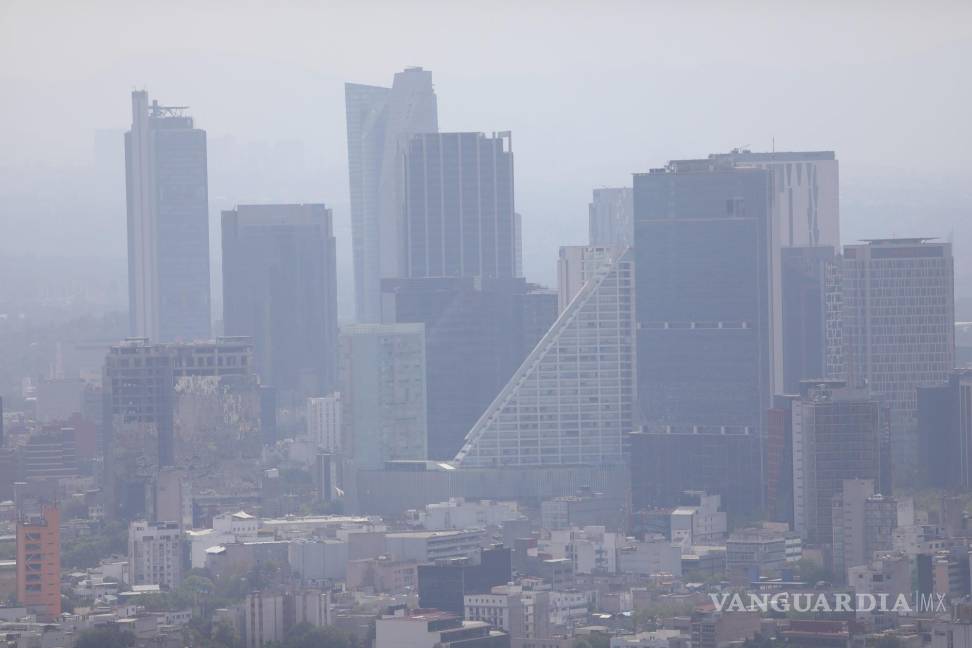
[379,122]
[168,223]
[704,303]
[458,206]
[280,289]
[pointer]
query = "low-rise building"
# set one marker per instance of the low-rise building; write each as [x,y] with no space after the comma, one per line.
[319,559]
[268,616]
[609,511]
[459,513]
[653,555]
[429,546]
[888,573]
[719,629]
[382,574]
[592,549]
[699,520]
[756,552]
[424,628]
[661,638]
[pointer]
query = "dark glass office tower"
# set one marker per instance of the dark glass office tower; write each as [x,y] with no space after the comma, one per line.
[168,223]
[945,433]
[280,288]
[458,206]
[703,248]
[807,275]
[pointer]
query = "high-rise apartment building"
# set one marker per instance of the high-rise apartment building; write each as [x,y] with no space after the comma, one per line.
[155,553]
[703,241]
[477,332]
[168,223]
[280,289]
[383,393]
[379,122]
[39,563]
[458,206]
[899,328]
[611,217]
[572,399]
[839,433]
[425,628]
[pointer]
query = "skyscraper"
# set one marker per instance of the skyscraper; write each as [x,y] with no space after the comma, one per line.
[703,240]
[168,223]
[806,201]
[280,289]
[899,328]
[945,433]
[808,295]
[458,206]
[805,213]
[572,399]
[383,393]
[379,120]
[838,433]
[611,217]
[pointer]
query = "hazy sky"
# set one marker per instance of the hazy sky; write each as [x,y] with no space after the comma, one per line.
[592,92]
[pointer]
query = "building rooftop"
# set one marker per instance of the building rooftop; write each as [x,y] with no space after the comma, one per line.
[899,241]
[432,534]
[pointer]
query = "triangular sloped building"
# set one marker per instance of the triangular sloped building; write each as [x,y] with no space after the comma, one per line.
[572,399]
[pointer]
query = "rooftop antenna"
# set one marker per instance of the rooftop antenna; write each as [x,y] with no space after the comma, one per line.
[774,144]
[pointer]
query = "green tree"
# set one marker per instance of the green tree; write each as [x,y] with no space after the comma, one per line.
[87,551]
[105,637]
[223,634]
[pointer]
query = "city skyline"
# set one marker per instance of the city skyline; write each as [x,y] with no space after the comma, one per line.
[369,375]
[848,109]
